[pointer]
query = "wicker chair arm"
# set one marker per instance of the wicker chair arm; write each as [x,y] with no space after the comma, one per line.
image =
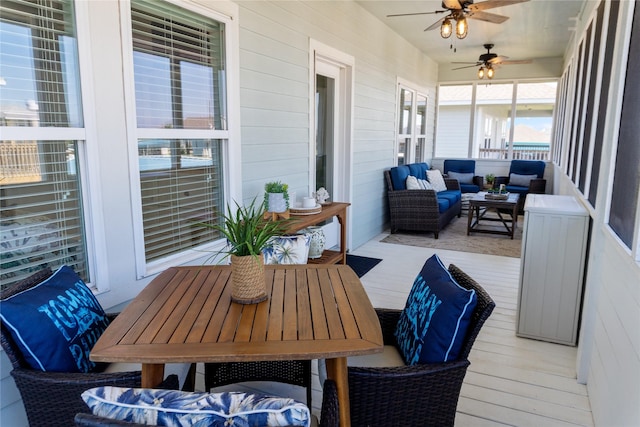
[479,181]
[388,318]
[452,184]
[91,379]
[90,420]
[500,180]
[413,197]
[537,186]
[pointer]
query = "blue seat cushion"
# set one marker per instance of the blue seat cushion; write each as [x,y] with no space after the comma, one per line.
[443,204]
[453,196]
[434,322]
[469,188]
[517,189]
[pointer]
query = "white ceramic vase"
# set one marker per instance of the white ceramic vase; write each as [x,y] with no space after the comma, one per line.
[316,241]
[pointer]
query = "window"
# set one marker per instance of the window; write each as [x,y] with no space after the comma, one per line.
[412,125]
[496,120]
[42,221]
[180,104]
[626,181]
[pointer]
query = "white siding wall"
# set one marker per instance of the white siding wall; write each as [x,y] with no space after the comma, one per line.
[274,90]
[609,345]
[274,60]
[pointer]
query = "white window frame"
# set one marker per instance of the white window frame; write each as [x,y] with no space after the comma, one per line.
[227,13]
[417,91]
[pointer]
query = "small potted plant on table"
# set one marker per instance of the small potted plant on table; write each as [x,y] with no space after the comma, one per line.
[490,178]
[247,234]
[276,196]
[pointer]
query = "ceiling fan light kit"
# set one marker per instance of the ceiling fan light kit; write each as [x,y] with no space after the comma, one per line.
[461,27]
[446,28]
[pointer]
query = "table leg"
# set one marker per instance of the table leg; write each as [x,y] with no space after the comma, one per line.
[469,218]
[514,220]
[337,371]
[152,375]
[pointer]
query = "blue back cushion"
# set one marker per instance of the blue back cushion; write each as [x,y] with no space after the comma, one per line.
[399,174]
[56,323]
[434,322]
[527,167]
[461,166]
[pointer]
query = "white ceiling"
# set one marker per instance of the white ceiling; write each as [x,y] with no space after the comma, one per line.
[535,29]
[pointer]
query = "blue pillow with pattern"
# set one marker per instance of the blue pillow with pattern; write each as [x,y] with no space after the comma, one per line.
[179,408]
[434,322]
[56,323]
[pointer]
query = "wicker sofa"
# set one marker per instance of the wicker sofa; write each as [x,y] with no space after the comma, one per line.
[420,210]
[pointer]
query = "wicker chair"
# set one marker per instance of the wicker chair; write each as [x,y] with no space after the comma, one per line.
[424,394]
[537,185]
[294,372]
[53,398]
[418,210]
[329,416]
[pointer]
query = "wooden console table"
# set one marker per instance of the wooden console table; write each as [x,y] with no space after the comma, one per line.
[337,209]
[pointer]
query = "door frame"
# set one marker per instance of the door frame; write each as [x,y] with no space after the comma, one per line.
[343,146]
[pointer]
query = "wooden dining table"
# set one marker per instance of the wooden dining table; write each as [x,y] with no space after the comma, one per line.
[185,315]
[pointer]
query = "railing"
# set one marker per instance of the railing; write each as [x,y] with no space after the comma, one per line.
[520,152]
[19,162]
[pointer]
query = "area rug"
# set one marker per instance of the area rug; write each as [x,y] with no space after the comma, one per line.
[361,264]
[454,238]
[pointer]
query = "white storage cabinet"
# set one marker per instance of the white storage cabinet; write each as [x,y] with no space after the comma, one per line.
[552,268]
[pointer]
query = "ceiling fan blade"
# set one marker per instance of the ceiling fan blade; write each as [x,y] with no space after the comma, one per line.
[461,68]
[435,24]
[488,17]
[452,4]
[493,3]
[498,59]
[416,13]
[517,61]
[474,63]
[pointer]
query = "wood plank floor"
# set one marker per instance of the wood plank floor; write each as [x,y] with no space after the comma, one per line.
[511,381]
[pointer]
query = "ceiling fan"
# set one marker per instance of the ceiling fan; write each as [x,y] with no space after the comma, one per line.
[488,61]
[459,11]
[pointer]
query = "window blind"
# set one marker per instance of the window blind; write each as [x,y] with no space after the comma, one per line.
[178,59]
[41,221]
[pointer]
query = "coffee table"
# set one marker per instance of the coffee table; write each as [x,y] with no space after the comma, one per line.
[479,206]
[185,315]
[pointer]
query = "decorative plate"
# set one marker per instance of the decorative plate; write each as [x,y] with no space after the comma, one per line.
[306,211]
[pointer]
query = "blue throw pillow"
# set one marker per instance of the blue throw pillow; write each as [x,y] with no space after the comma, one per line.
[434,322]
[177,408]
[56,323]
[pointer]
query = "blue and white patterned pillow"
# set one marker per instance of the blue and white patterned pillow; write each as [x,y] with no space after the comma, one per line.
[182,409]
[287,250]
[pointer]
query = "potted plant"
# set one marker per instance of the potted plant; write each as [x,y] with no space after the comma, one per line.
[490,178]
[276,196]
[247,234]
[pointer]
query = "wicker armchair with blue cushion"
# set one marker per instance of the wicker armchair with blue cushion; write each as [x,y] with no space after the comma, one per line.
[50,392]
[425,389]
[465,172]
[525,176]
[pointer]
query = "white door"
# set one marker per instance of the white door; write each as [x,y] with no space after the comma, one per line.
[331,140]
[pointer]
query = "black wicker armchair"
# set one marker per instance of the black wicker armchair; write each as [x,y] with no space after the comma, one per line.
[53,398]
[423,394]
[329,416]
[294,372]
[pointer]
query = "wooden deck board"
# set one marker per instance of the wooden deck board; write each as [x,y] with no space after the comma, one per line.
[511,381]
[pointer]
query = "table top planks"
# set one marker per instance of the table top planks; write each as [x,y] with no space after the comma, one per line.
[186,315]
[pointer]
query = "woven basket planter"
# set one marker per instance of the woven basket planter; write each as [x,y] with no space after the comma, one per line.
[247,276]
